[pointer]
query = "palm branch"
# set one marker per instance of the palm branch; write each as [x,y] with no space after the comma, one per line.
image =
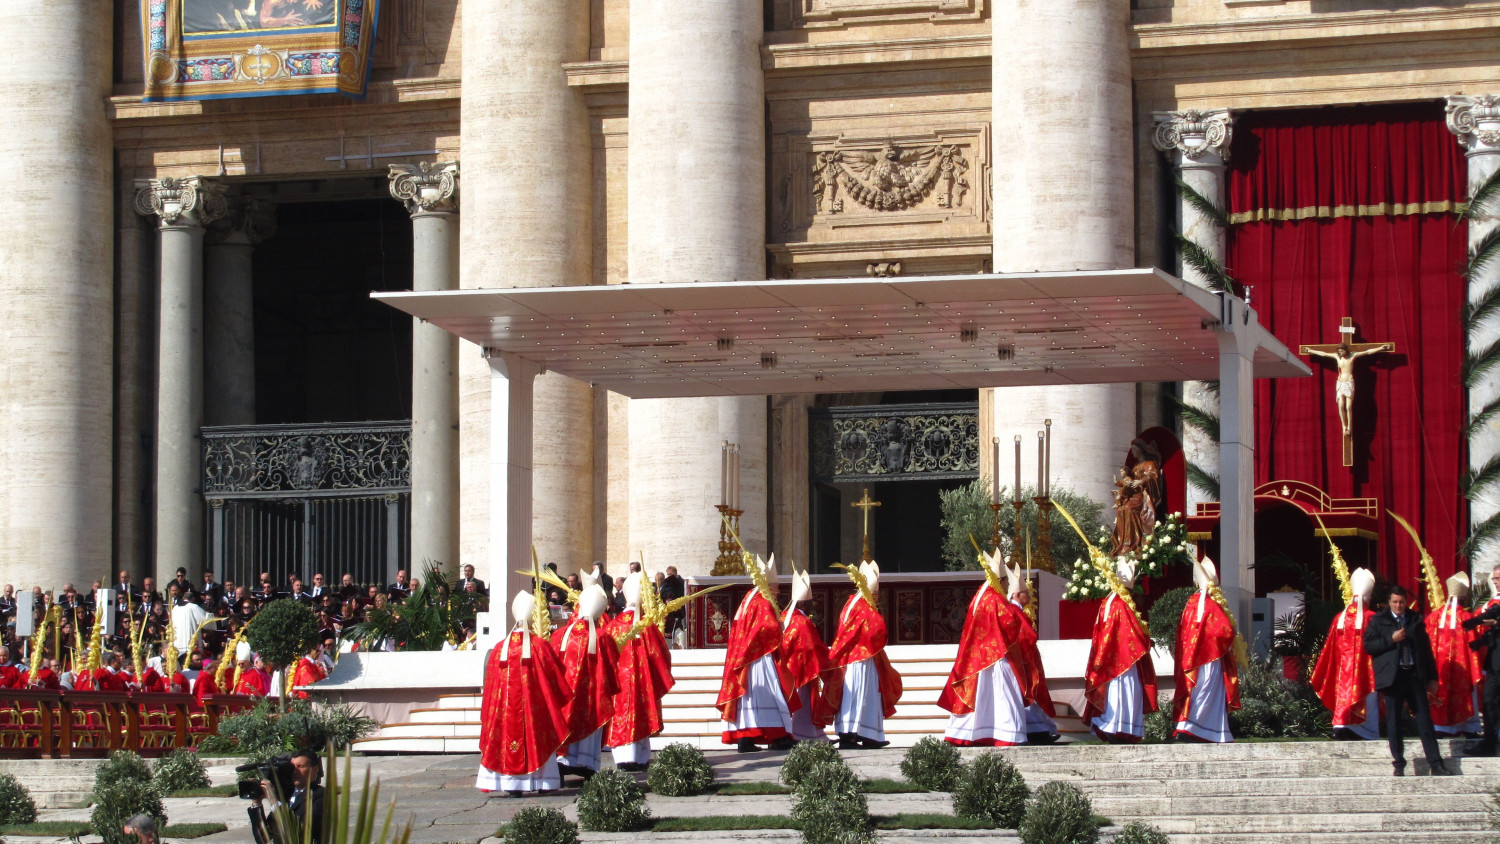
[1482,417]
[1203,480]
[1213,272]
[1197,418]
[1475,313]
[1476,481]
[1477,364]
[1211,211]
[1482,254]
[1487,192]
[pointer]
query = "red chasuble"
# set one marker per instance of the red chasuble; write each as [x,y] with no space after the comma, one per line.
[861,636]
[754,633]
[1119,642]
[180,683]
[152,681]
[1198,644]
[1344,676]
[1026,661]
[589,677]
[253,683]
[108,681]
[643,676]
[989,634]
[44,678]
[523,711]
[308,671]
[10,677]
[83,680]
[803,657]
[204,684]
[1458,668]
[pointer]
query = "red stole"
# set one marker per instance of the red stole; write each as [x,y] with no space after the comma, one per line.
[1458,667]
[1026,660]
[754,633]
[984,642]
[523,711]
[643,676]
[861,636]
[1119,642]
[1198,644]
[803,656]
[589,677]
[1344,676]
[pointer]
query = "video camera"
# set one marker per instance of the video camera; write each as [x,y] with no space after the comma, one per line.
[276,770]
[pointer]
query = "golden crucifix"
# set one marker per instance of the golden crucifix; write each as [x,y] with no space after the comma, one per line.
[866,503]
[1343,354]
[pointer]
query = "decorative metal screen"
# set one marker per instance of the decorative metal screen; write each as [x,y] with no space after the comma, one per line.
[286,499]
[894,442]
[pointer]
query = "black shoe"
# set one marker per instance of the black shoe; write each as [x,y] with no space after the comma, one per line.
[1436,768]
[569,770]
[745,746]
[1398,769]
[1042,738]
[515,792]
[640,766]
[872,744]
[848,741]
[1479,748]
[783,743]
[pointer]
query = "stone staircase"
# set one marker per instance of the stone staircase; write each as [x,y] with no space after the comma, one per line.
[453,725]
[55,783]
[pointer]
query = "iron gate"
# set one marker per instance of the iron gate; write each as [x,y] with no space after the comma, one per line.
[286,499]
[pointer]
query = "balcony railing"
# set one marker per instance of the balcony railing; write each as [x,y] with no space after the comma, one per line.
[894,442]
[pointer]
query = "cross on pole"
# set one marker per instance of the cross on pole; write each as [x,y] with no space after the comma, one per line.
[1343,354]
[866,504]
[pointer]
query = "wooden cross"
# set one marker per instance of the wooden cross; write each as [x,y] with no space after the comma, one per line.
[866,504]
[1343,354]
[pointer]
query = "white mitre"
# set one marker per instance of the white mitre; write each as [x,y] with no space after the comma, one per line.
[242,652]
[1125,570]
[592,602]
[590,578]
[1015,581]
[801,588]
[1205,574]
[633,591]
[1362,583]
[871,570]
[521,608]
[1458,586]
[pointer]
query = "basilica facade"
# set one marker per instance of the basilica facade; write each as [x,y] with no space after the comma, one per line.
[194,374]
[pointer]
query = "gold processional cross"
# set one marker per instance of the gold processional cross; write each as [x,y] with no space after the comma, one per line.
[1343,354]
[865,503]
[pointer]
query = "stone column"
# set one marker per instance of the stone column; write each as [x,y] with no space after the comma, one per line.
[430,192]
[56,295]
[229,311]
[184,207]
[527,221]
[1476,122]
[696,213]
[1064,199]
[1197,143]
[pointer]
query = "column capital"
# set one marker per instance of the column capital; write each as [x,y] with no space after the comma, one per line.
[1476,122]
[1200,138]
[248,221]
[430,187]
[190,202]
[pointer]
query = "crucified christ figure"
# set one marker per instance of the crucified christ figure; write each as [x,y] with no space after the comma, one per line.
[1343,388]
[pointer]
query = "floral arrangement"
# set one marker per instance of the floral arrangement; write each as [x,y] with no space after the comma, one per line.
[1166,545]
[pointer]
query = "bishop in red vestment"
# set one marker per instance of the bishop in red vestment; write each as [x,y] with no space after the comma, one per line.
[1458,666]
[1206,675]
[983,693]
[754,691]
[309,670]
[643,676]
[803,658]
[10,675]
[1119,686]
[1026,656]
[589,658]
[523,711]
[860,687]
[1344,677]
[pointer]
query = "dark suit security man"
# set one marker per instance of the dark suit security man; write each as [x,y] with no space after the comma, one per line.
[1405,672]
[1488,622]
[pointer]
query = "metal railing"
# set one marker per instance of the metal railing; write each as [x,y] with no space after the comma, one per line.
[894,442]
[289,499]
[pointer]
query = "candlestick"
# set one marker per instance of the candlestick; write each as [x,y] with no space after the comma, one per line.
[724,473]
[995,472]
[1047,469]
[1016,493]
[1041,461]
[734,476]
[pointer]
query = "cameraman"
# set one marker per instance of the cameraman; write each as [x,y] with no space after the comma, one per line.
[1489,653]
[307,775]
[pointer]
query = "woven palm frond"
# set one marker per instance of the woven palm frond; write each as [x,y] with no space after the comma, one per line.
[1210,210]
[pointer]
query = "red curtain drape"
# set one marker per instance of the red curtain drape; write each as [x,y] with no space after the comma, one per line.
[1381,245]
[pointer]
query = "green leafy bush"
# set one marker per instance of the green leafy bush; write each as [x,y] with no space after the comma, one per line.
[121,765]
[540,825]
[679,770]
[263,732]
[179,770]
[282,632]
[829,807]
[16,805]
[1159,724]
[118,801]
[933,764]
[1165,616]
[612,801]
[803,756]
[1058,813]
[1136,832]
[991,789]
[966,511]
[1275,707]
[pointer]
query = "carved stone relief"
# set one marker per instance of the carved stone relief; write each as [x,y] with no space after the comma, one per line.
[891,179]
[818,14]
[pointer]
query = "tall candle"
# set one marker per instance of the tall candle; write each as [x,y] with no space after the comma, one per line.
[734,475]
[1016,493]
[724,473]
[995,471]
[1041,461]
[1047,470]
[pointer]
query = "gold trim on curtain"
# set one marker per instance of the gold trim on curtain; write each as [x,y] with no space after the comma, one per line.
[1325,212]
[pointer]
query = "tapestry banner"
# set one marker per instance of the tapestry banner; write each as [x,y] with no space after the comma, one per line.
[213,49]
